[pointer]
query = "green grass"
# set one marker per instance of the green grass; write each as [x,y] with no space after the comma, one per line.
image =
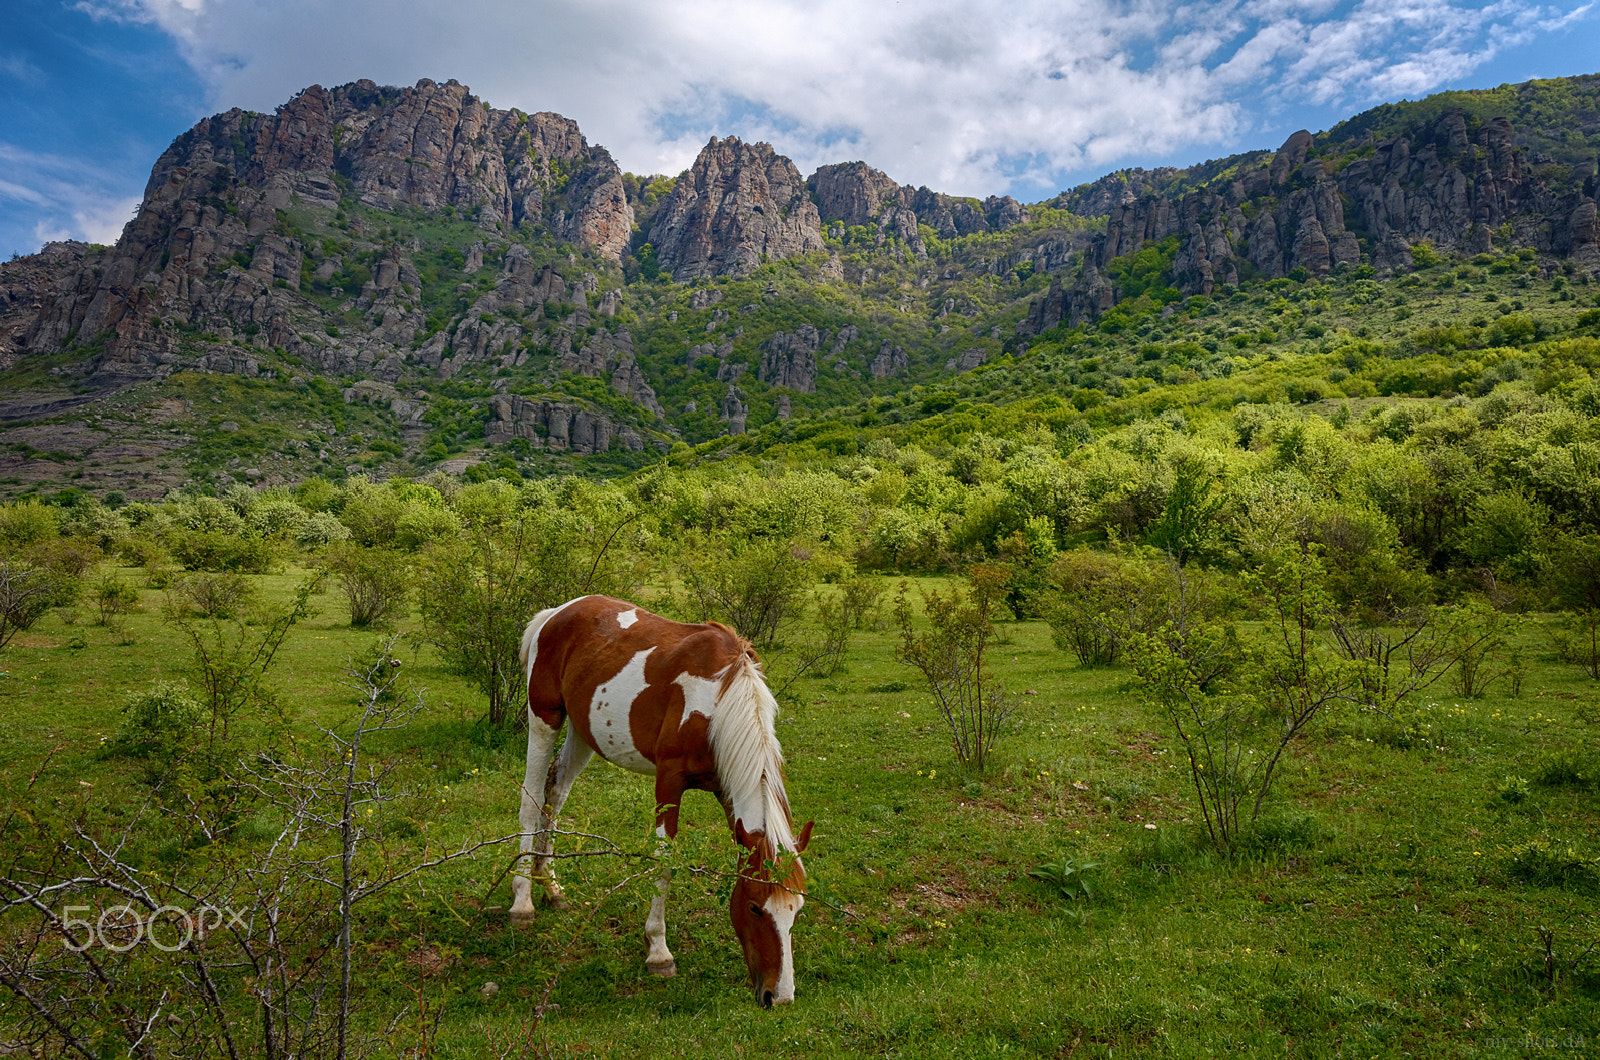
[1376,914]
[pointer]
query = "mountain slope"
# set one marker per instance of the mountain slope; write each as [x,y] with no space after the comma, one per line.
[383,279]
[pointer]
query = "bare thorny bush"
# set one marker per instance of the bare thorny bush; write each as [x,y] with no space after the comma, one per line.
[247,948]
[951,653]
[1400,654]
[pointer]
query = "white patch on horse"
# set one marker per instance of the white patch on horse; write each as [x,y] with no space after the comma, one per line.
[699,695]
[628,618]
[610,710]
[783,907]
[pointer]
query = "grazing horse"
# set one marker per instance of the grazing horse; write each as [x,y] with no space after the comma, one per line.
[682,703]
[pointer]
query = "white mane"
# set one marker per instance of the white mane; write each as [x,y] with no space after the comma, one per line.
[749,760]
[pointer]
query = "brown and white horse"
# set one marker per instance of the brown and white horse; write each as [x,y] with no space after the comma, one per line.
[685,704]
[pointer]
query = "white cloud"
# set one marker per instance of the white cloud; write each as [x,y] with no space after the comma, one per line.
[21,68]
[67,198]
[963,95]
[101,221]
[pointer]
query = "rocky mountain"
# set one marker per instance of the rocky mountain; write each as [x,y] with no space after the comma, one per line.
[738,206]
[215,247]
[1455,181]
[384,278]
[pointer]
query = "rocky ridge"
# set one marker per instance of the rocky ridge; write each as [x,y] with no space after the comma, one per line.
[1366,201]
[402,239]
[853,193]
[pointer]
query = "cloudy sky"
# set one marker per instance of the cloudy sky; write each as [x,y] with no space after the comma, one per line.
[972,97]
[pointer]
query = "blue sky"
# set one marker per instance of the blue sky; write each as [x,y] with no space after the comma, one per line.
[972,97]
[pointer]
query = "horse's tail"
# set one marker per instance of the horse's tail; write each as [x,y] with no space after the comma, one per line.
[530,636]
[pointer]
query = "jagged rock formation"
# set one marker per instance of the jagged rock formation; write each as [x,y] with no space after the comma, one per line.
[396,238]
[1363,201]
[891,360]
[968,360]
[739,205]
[210,248]
[790,359]
[430,146]
[853,193]
[735,410]
[1121,188]
[556,426]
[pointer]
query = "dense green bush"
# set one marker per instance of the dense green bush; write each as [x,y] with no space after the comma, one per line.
[211,550]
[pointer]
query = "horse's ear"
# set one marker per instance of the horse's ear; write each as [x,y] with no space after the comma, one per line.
[805,837]
[740,836]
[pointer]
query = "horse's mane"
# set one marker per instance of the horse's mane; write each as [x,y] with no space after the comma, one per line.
[745,745]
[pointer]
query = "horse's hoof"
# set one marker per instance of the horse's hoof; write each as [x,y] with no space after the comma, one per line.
[556,901]
[522,917]
[665,969]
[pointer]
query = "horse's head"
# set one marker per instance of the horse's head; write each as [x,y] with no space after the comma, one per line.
[764,904]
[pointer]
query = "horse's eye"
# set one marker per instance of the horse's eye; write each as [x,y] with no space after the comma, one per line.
[756,910]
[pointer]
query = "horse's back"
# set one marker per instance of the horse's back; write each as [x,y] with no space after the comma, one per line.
[623,674]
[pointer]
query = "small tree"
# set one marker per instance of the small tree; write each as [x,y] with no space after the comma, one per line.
[1086,606]
[114,598]
[26,593]
[478,593]
[1237,713]
[1189,520]
[231,658]
[755,587]
[951,655]
[376,582]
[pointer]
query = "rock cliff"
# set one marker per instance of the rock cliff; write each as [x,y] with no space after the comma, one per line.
[213,247]
[556,426]
[739,205]
[1365,200]
[853,193]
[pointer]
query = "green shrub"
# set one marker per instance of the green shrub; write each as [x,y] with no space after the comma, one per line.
[26,593]
[219,551]
[27,523]
[952,656]
[376,582]
[225,594]
[756,587]
[114,598]
[158,722]
[1569,769]
[1068,878]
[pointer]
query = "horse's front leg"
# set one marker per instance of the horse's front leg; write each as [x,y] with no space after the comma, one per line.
[659,958]
[534,820]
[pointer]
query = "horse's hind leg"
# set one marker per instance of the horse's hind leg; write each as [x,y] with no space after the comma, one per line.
[575,754]
[534,820]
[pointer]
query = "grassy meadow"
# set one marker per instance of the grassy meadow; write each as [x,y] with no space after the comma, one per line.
[1392,902]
